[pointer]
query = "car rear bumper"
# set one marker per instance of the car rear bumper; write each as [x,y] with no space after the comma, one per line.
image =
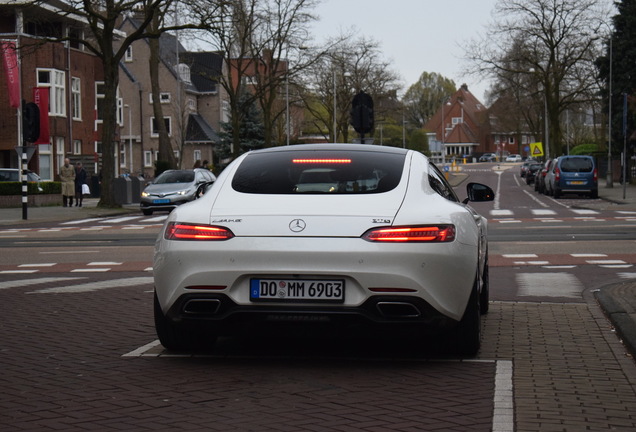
[440,274]
[228,317]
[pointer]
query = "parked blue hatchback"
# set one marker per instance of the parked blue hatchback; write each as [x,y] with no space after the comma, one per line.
[575,174]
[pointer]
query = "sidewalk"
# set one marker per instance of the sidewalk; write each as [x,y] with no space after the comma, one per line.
[89,209]
[617,300]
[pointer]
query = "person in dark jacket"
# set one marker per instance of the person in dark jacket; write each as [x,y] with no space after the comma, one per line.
[80,179]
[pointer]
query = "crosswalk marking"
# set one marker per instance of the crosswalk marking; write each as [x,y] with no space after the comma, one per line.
[543,212]
[38,281]
[96,285]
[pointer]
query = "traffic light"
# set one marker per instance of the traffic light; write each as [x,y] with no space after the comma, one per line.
[30,122]
[362,117]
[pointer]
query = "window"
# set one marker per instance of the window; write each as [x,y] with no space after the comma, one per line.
[319,172]
[128,57]
[197,155]
[100,94]
[77,147]
[148,158]
[122,155]
[76,92]
[54,80]
[439,184]
[164,97]
[44,153]
[154,127]
[99,101]
[59,151]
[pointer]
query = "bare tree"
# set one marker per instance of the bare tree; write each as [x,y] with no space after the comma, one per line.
[553,43]
[106,42]
[346,67]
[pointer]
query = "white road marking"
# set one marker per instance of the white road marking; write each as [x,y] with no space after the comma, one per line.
[81,221]
[627,275]
[549,285]
[504,412]
[29,282]
[103,263]
[585,211]
[95,286]
[157,219]
[120,219]
[501,212]
[90,270]
[543,212]
[18,271]
[605,262]
[587,255]
[520,256]
[38,265]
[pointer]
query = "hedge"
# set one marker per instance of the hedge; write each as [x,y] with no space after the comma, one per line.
[15,188]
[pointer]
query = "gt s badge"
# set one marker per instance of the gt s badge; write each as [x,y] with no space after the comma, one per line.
[382,221]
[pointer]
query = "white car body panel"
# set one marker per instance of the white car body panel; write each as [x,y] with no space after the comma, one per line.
[329,246]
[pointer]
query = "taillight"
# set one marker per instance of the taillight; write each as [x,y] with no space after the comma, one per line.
[557,174]
[428,233]
[595,175]
[183,231]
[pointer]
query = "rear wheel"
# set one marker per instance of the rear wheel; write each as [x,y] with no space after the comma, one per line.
[147,212]
[178,336]
[466,336]
[594,194]
[557,193]
[485,291]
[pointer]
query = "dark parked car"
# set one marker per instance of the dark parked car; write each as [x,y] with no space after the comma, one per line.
[539,178]
[531,171]
[173,188]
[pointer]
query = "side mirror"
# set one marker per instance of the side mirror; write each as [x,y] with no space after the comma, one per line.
[478,192]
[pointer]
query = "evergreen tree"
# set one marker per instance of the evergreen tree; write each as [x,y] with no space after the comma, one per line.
[252,133]
[622,51]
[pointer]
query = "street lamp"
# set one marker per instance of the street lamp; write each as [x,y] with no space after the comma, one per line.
[130,152]
[335,105]
[609,183]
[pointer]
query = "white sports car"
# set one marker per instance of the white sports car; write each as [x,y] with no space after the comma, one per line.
[325,235]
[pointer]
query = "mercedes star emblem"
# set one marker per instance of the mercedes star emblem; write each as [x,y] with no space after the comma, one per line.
[297,225]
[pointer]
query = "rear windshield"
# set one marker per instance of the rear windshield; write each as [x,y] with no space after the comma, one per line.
[570,164]
[319,172]
[175,177]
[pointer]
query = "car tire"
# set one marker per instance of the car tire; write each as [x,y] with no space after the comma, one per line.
[557,193]
[147,212]
[484,296]
[594,194]
[466,336]
[178,336]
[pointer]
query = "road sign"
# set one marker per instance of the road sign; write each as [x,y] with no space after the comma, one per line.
[536,149]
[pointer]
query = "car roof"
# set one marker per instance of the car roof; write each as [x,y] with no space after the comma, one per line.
[334,146]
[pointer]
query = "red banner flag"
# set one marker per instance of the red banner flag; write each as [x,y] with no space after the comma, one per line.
[41,99]
[10,60]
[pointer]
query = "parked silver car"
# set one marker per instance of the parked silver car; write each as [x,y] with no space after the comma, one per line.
[173,188]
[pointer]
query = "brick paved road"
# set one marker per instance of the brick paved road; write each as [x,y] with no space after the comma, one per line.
[63,367]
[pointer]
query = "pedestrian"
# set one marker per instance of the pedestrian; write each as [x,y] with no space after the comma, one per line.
[205,165]
[197,164]
[67,177]
[80,181]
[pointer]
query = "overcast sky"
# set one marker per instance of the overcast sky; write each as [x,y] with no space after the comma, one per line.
[415,35]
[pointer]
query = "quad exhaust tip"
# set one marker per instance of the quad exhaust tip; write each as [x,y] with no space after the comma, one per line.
[398,309]
[202,307]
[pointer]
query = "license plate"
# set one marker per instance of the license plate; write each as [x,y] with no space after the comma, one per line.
[323,290]
[577,182]
[161,201]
